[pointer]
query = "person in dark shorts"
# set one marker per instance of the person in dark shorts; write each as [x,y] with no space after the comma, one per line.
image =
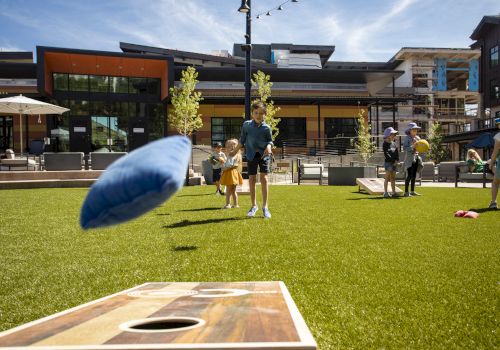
[257,140]
[218,158]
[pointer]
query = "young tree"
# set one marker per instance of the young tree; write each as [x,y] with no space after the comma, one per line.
[363,143]
[437,150]
[263,83]
[186,101]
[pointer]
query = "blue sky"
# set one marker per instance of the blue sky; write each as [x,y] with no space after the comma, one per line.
[361,30]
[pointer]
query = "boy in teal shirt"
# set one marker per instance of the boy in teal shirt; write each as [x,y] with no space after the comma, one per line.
[257,140]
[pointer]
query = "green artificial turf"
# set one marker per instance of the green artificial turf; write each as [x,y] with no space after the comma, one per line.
[365,272]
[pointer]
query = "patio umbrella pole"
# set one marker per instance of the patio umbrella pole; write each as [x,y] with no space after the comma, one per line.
[21,132]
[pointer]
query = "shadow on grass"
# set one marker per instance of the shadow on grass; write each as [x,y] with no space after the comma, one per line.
[184,248]
[195,195]
[483,210]
[376,198]
[200,209]
[185,223]
[163,214]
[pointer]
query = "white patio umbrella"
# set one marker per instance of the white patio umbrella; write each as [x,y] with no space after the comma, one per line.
[25,105]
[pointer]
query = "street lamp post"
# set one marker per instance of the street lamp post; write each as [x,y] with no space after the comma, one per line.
[245,8]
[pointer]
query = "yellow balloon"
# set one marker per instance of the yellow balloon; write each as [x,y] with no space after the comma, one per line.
[422,146]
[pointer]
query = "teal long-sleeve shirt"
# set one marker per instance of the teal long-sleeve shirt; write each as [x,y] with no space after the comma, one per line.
[255,138]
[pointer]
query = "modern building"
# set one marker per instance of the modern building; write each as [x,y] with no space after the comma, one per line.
[120,100]
[487,42]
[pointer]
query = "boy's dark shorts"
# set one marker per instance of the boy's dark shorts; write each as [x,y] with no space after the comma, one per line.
[216,175]
[264,165]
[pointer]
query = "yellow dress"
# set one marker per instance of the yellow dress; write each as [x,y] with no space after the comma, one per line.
[231,175]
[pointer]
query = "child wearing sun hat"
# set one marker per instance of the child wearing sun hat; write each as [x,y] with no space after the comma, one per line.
[391,155]
[412,159]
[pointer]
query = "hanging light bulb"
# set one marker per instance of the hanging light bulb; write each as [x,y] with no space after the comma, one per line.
[258,16]
[268,13]
[244,8]
[295,0]
[280,8]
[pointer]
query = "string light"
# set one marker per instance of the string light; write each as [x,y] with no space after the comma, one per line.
[277,8]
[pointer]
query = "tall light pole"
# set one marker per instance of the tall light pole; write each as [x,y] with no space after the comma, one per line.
[245,8]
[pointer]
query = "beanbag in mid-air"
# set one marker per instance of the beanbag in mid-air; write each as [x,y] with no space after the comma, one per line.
[137,183]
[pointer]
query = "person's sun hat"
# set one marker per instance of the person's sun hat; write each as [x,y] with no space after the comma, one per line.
[411,126]
[389,131]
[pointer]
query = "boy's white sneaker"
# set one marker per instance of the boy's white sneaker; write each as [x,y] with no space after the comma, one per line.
[387,195]
[252,211]
[227,206]
[493,205]
[267,213]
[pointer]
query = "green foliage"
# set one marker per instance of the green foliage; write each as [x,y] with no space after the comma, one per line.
[363,143]
[263,83]
[362,275]
[186,102]
[438,151]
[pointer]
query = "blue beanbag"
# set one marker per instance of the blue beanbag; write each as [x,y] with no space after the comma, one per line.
[137,183]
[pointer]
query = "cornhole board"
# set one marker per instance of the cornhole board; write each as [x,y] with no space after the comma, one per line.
[187,316]
[243,189]
[373,185]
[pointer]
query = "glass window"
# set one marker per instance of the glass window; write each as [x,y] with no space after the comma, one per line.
[60,81]
[99,108]
[98,83]
[154,86]
[78,82]
[224,129]
[138,85]
[78,107]
[6,135]
[119,85]
[155,121]
[291,129]
[494,56]
[495,88]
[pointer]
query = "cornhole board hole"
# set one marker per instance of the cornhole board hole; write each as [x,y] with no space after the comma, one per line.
[373,185]
[187,316]
[243,189]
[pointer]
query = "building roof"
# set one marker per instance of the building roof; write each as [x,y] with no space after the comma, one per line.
[263,51]
[433,52]
[15,70]
[375,80]
[16,56]
[486,24]
[142,49]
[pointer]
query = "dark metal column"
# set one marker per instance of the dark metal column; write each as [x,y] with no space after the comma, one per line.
[393,105]
[378,128]
[248,62]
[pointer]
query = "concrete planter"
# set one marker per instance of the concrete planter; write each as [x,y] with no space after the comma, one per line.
[206,170]
[346,176]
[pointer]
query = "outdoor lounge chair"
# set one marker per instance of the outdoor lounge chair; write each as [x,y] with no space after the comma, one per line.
[101,160]
[462,174]
[447,170]
[63,161]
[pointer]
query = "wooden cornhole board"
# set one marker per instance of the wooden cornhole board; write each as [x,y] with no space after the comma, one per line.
[243,189]
[373,185]
[233,315]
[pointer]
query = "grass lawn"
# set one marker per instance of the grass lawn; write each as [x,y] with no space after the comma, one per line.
[365,272]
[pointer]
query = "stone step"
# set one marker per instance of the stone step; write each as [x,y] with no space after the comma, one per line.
[26,184]
[49,175]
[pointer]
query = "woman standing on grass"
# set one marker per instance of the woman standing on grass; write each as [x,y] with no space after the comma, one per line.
[495,156]
[412,159]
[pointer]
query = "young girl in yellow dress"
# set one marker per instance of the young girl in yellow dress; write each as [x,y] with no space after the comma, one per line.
[231,175]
